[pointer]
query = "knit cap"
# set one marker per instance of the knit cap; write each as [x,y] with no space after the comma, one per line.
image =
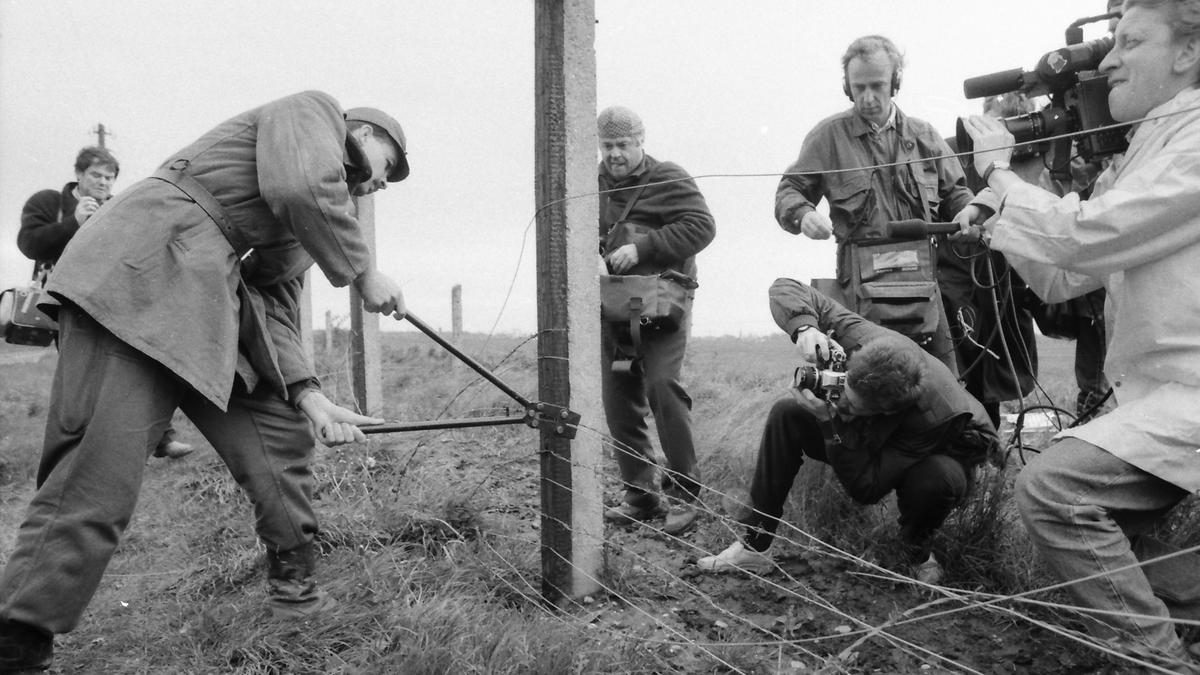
[618,122]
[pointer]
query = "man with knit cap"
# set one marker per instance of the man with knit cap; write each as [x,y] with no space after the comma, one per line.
[652,219]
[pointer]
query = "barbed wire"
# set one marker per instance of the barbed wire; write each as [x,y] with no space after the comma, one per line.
[792,587]
[676,579]
[777,174]
[741,630]
[792,535]
[1015,442]
[991,603]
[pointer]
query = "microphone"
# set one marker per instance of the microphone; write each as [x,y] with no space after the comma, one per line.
[917,229]
[994,84]
[1057,69]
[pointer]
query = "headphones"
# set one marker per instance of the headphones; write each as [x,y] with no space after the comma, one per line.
[896,73]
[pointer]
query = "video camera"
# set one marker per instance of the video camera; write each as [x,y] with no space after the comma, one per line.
[1078,101]
[827,379]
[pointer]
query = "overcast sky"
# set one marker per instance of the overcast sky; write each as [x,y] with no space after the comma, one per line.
[726,89]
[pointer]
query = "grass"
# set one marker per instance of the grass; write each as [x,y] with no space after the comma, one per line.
[24,395]
[430,540]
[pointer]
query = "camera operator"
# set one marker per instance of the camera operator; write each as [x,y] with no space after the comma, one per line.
[1138,236]
[902,422]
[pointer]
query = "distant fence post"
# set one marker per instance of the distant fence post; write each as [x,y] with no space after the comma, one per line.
[306,319]
[328,331]
[364,329]
[456,313]
[568,293]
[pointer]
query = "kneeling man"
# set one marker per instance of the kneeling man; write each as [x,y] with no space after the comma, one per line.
[901,421]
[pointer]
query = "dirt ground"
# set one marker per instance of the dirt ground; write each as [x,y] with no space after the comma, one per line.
[816,615]
[820,611]
[819,614]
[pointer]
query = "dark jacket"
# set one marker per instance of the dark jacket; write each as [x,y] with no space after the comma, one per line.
[47,224]
[670,207]
[945,420]
[862,202]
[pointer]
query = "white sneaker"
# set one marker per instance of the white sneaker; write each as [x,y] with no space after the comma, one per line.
[929,572]
[737,558]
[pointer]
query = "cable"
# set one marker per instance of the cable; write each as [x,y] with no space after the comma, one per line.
[774,174]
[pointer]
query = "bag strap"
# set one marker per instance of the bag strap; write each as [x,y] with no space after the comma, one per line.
[643,181]
[41,273]
[174,174]
[635,325]
[636,195]
[42,268]
[252,312]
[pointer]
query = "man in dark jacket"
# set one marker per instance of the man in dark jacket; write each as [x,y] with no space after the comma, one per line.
[52,217]
[652,219]
[199,312]
[901,423]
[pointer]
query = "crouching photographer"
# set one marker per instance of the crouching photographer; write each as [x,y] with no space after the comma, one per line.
[898,420]
[1138,236]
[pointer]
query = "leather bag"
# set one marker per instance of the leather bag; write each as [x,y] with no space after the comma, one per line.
[662,301]
[21,322]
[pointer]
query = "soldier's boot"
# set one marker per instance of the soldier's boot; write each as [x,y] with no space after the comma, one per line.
[292,591]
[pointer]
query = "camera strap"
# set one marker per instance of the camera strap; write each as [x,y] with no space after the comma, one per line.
[828,430]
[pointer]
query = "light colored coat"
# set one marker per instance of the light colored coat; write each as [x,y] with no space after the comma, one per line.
[154,269]
[1139,237]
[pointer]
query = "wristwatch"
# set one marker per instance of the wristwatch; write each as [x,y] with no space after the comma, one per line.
[996,164]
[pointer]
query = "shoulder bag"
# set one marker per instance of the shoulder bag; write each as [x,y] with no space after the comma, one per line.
[21,322]
[658,298]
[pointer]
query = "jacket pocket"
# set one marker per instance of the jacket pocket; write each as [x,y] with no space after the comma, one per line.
[927,183]
[851,194]
[907,307]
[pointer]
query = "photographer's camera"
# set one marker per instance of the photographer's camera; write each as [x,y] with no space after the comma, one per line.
[826,379]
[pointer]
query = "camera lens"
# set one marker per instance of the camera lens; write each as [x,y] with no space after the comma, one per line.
[805,377]
[1038,125]
[1026,130]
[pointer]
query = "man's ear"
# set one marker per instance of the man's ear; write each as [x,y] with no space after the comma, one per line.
[362,131]
[1188,58]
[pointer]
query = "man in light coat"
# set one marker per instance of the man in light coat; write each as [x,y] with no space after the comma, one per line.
[1088,499]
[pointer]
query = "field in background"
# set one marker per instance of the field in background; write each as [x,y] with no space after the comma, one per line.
[430,542]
